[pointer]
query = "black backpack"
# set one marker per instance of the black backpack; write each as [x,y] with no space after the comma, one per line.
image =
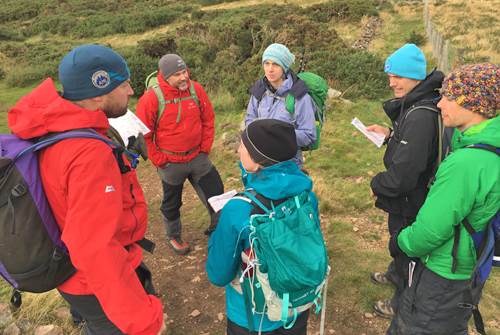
[33,257]
[444,134]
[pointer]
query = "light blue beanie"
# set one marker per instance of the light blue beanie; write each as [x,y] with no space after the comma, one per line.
[279,54]
[408,62]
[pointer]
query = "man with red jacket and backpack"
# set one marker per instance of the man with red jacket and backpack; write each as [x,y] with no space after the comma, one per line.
[181,117]
[93,192]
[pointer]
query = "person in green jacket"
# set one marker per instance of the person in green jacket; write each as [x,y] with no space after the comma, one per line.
[466,187]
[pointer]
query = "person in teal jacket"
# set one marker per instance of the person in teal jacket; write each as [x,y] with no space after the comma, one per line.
[467,187]
[266,149]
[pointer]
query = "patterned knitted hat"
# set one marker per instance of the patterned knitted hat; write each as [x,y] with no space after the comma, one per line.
[474,87]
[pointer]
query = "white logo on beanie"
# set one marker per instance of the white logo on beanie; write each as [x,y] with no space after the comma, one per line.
[100,79]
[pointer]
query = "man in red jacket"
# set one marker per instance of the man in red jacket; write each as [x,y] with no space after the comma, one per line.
[99,207]
[181,118]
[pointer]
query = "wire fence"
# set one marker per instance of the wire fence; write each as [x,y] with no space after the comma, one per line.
[442,50]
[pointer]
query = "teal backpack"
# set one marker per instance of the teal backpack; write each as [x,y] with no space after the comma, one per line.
[287,263]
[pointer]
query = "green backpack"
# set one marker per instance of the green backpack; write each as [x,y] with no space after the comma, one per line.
[318,90]
[152,82]
[288,260]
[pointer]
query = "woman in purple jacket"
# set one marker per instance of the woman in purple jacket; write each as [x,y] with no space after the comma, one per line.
[268,96]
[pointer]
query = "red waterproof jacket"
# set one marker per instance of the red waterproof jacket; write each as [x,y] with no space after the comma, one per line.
[100,211]
[192,134]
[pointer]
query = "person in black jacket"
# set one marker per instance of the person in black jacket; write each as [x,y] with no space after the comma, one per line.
[411,156]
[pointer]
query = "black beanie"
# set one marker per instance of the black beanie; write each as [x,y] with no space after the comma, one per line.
[270,141]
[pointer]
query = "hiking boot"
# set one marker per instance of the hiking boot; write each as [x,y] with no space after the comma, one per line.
[178,245]
[384,309]
[380,278]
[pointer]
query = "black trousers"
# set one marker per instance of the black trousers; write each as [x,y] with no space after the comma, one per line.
[431,306]
[397,271]
[86,309]
[299,328]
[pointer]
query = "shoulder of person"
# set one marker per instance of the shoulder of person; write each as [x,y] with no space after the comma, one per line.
[422,111]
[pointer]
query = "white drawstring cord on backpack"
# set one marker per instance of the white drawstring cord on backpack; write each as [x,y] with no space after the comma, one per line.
[323,309]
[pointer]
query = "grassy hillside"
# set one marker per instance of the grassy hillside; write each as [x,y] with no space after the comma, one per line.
[222,42]
[471,26]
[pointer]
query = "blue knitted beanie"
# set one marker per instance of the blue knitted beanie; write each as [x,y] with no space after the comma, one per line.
[408,62]
[279,54]
[91,70]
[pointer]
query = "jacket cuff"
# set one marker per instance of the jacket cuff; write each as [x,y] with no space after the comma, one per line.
[391,133]
[394,248]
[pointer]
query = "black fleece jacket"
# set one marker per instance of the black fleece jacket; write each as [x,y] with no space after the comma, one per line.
[412,151]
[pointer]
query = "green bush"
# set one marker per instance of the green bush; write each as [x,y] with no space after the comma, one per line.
[350,10]
[359,74]
[223,48]
[9,34]
[86,18]
[22,76]
[140,66]
[416,38]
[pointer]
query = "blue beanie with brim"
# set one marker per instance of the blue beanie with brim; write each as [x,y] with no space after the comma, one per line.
[90,71]
[279,54]
[407,62]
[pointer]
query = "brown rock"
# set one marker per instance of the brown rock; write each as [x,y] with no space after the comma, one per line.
[63,313]
[49,330]
[195,313]
[12,329]
[5,315]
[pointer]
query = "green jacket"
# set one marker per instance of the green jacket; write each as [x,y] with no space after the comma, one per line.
[467,186]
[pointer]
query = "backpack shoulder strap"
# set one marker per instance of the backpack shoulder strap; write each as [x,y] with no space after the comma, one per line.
[299,87]
[117,149]
[193,94]
[253,196]
[52,139]
[161,102]
[258,89]
[298,90]
[486,147]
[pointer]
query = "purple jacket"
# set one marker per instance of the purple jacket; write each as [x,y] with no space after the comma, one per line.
[272,106]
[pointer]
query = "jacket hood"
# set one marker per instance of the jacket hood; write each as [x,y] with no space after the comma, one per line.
[167,89]
[44,111]
[277,181]
[427,89]
[486,132]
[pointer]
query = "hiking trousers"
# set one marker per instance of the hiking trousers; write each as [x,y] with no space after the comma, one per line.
[397,271]
[86,309]
[205,180]
[299,328]
[430,306]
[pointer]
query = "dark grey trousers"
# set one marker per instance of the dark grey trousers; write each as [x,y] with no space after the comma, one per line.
[205,179]
[86,309]
[397,271]
[431,306]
